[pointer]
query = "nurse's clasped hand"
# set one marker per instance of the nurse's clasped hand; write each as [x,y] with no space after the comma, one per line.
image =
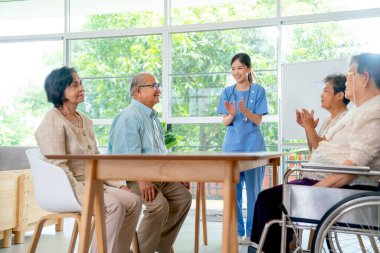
[230,107]
[242,108]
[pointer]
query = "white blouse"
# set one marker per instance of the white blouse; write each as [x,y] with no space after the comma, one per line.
[355,137]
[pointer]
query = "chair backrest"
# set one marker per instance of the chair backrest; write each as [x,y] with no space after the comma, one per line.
[51,185]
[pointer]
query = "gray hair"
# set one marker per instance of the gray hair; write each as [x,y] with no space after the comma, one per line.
[136,81]
[370,63]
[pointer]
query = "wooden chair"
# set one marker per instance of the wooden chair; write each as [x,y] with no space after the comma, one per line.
[200,199]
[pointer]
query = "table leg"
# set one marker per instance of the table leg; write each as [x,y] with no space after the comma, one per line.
[227,212]
[87,207]
[99,218]
[197,207]
[204,218]
[234,234]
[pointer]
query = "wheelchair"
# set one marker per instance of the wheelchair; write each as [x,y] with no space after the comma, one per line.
[338,220]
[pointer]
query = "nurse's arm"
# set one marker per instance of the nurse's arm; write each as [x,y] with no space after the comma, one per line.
[255,118]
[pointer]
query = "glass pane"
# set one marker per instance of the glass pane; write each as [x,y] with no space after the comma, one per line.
[196,95]
[268,79]
[102,133]
[88,15]
[269,131]
[31,17]
[199,11]
[210,52]
[105,97]
[330,40]
[117,57]
[22,97]
[201,67]
[199,137]
[304,7]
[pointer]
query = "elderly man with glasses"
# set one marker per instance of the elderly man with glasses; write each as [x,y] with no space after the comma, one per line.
[137,130]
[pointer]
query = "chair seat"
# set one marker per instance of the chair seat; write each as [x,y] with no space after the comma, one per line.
[305,204]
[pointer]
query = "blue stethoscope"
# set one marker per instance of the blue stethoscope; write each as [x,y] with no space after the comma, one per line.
[245,119]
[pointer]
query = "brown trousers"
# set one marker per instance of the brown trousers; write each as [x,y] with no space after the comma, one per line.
[122,212]
[163,217]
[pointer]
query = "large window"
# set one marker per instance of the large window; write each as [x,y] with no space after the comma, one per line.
[188,45]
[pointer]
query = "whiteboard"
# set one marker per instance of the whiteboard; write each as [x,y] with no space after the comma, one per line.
[302,85]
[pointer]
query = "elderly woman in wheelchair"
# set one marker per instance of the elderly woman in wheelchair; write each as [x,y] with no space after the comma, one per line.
[353,141]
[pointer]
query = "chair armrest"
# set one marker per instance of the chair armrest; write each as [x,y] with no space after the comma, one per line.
[335,168]
[329,168]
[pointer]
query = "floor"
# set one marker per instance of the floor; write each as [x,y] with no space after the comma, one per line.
[57,242]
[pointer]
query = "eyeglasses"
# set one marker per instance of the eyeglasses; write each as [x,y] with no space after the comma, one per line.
[350,73]
[155,86]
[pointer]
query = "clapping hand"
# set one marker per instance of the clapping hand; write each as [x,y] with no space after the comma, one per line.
[230,107]
[242,107]
[299,118]
[307,119]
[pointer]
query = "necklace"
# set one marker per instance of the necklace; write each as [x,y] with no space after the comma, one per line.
[75,119]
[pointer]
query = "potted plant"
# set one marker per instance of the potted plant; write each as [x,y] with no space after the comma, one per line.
[171,139]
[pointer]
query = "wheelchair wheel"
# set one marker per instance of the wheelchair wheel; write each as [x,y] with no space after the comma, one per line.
[352,225]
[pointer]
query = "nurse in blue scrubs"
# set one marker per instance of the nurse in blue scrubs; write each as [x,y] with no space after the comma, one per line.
[243,105]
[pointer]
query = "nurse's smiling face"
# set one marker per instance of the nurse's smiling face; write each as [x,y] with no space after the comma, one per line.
[240,72]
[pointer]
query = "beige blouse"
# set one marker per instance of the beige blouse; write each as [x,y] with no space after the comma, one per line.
[57,135]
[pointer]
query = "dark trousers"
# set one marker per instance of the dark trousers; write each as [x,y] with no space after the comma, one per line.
[267,209]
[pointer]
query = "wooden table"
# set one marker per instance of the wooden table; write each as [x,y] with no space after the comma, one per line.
[171,167]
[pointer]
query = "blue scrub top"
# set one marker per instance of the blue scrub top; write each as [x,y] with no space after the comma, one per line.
[244,136]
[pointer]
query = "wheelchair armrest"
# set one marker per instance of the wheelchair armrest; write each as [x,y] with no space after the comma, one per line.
[329,168]
[335,168]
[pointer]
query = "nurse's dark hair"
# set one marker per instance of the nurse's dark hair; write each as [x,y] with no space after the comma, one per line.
[338,82]
[246,61]
[370,63]
[56,83]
